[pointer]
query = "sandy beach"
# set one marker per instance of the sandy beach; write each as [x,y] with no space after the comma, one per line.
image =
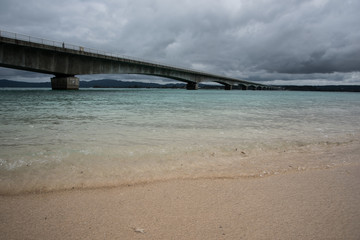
[311,204]
[179,120]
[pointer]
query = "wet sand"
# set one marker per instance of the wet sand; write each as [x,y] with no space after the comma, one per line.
[311,204]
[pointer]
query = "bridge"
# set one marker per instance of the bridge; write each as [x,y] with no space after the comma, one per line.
[66,61]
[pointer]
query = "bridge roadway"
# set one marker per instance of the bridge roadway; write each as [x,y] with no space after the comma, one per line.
[65,61]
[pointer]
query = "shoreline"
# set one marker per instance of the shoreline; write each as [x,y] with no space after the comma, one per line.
[316,204]
[170,180]
[237,165]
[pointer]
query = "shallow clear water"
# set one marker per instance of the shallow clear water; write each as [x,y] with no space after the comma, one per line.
[53,140]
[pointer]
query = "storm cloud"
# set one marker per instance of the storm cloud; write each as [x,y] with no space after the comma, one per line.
[295,41]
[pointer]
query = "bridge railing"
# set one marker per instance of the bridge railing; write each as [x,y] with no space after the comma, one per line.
[52,43]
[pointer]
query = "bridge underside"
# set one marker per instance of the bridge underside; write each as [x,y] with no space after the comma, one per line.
[65,64]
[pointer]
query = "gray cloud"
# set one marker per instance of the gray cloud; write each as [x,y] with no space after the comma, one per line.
[270,41]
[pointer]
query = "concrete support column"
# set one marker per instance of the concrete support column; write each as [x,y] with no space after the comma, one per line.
[65,83]
[228,87]
[243,87]
[192,86]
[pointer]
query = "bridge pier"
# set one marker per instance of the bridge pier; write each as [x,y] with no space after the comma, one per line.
[65,83]
[228,87]
[192,86]
[244,87]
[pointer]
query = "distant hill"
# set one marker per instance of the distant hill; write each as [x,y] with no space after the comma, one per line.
[109,83]
[328,88]
[15,84]
[104,83]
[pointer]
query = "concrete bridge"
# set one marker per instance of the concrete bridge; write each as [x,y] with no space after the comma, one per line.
[65,61]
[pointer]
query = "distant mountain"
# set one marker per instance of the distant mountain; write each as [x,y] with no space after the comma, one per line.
[327,88]
[15,84]
[104,83]
[109,83]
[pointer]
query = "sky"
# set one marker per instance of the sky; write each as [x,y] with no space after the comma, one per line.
[301,42]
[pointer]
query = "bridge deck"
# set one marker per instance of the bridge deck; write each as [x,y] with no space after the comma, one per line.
[61,59]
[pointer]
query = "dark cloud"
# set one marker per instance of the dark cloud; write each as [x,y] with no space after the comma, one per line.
[307,40]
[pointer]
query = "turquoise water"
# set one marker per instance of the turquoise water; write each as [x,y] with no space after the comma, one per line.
[52,140]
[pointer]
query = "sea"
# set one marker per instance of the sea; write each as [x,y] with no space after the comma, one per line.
[94,138]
